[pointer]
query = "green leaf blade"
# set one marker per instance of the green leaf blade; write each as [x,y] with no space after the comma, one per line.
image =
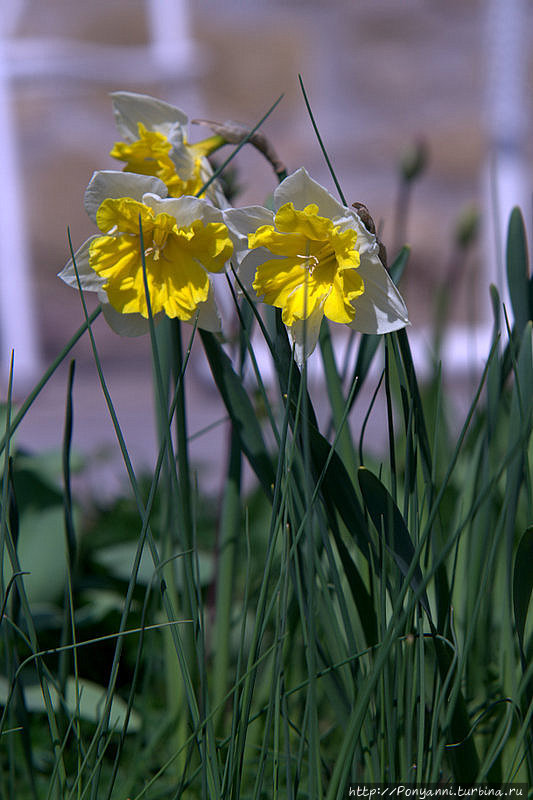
[241,411]
[388,519]
[518,269]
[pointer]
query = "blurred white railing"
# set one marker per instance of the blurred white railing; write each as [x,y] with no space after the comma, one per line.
[170,52]
[508,174]
[18,329]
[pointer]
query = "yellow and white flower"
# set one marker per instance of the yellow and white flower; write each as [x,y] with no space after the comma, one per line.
[312,257]
[184,239]
[155,143]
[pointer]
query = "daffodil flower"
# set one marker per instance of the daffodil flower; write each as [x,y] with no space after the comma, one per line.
[312,257]
[155,143]
[183,240]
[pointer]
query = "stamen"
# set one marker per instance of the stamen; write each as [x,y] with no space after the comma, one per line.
[152,251]
[310,262]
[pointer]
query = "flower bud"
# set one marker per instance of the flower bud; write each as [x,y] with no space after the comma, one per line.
[413,160]
[467,227]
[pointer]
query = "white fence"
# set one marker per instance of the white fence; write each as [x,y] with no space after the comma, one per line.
[168,52]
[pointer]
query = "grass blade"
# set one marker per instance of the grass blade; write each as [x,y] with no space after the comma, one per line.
[388,521]
[523,586]
[241,411]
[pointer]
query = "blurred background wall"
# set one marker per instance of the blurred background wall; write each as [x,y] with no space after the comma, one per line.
[381,76]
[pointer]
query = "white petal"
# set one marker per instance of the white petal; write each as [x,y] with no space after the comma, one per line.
[380,309]
[214,190]
[115,184]
[243,221]
[130,108]
[185,163]
[304,334]
[299,188]
[125,324]
[208,316]
[185,209]
[177,137]
[366,241]
[248,267]
[183,157]
[89,279]
[216,195]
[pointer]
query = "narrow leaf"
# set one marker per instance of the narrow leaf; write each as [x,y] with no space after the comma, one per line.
[388,520]
[495,368]
[337,489]
[360,594]
[241,411]
[370,341]
[517,270]
[419,417]
[82,698]
[286,369]
[523,584]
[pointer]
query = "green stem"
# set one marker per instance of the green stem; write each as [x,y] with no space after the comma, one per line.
[229,528]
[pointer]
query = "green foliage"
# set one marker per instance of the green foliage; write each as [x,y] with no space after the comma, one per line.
[353,618]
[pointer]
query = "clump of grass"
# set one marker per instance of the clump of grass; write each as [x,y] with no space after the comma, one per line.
[351,620]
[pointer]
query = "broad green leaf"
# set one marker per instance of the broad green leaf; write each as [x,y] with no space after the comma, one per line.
[47,465]
[96,604]
[285,366]
[360,594]
[118,560]
[82,698]
[241,411]
[331,372]
[495,303]
[336,399]
[520,420]
[337,489]
[523,388]
[35,481]
[494,373]
[388,520]
[41,553]
[518,270]
[419,417]
[523,584]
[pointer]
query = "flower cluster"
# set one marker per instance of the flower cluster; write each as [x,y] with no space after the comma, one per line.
[166,230]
